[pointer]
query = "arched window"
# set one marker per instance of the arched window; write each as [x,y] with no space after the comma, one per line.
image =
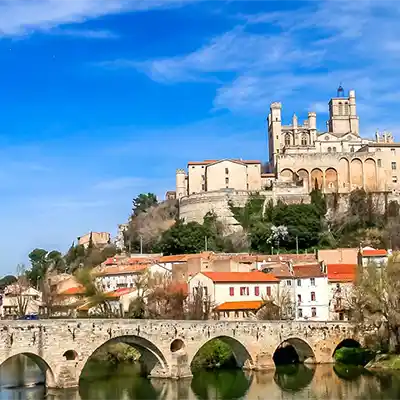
[334,149]
[304,140]
[352,149]
[287,139]
[346,108]
[340,108]
[329,149]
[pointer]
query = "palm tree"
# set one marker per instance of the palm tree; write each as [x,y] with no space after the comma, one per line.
[96,298]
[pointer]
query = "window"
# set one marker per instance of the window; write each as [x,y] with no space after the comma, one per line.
[268,291]
[313,312]
[299,298]
[340,108]
[394,179]
[341,316]
[287,139]
[334,149]
[244,291]
[329,149]
[304,140]
[203,187]
[257,291]
[346,108]
[352,149]
[393,151]
[300,313]
[227,171]
[394,165]
[298,282]
[379,162]
[227,181]
[288,282]
[312,281]
[313,296]
[378,149]
[231,291]
[338,288]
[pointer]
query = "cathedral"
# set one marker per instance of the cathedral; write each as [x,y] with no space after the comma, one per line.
[301,158]
[337,159]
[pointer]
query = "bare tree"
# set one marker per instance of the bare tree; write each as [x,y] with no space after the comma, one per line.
[376,299]
[278,307]
[199,306]
[17,292]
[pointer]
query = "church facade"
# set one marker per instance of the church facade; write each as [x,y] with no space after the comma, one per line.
[337,159]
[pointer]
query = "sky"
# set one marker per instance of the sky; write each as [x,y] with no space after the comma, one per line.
[101,100]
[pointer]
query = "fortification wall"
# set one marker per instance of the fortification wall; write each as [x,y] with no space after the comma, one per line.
[193,208]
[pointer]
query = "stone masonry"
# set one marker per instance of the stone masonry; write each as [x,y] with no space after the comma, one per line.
[61,348]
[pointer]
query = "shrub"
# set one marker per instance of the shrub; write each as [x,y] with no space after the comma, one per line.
[354,356]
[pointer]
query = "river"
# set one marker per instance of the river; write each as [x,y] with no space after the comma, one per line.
[325,382]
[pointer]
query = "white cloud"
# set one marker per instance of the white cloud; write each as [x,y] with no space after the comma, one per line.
[18,17]
[234,51]
[86,33]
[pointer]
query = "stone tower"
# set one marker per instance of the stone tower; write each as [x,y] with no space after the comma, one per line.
[274,133]
[343,117]
[181,187]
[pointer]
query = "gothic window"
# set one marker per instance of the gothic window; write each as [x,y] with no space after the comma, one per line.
[304,140]
[329,149]
[287,139]
[340,108]
[352,149]
[346,108]
[334,149]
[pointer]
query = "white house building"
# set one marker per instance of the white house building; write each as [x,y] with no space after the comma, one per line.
[311,292]
[19,301]
[235,294]
[370,256]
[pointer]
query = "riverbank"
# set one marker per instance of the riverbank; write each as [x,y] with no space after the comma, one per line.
[384,361]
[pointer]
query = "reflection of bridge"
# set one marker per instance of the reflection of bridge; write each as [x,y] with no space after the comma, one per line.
[61,348]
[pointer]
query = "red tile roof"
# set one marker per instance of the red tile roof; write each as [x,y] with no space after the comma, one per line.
[373,252]
[342,272]
[255,276]
[308,271]
[73,291]
[120,292]
[239,305]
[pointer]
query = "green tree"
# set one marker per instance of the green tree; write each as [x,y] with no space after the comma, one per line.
[6,281]
[143,202]
[183,238]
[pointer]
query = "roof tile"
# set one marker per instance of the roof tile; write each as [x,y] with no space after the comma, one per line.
[239,305]
[308,271]
[255,276]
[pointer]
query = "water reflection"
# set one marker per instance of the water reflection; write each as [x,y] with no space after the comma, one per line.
[286,383]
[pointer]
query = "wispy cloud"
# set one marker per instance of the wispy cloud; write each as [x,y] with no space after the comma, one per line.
[86,33]
[234,51]
[18,17]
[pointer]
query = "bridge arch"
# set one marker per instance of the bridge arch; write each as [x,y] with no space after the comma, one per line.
[151,358]
[293,351]
[239,350]
[353,343]
[47,371]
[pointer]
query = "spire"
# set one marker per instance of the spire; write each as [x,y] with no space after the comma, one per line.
[294,120]
[340,91]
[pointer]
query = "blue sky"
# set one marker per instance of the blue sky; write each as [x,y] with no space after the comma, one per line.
[103,99]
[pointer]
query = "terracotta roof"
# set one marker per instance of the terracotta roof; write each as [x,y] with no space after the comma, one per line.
[373,252]
[206,162]
[120,292]
[278,270]
[173,258]
[255,276]
[122,269]
[307,271]
[342,272]
[239,305]
[73,291]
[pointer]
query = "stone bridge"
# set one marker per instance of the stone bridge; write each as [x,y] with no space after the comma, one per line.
[61,348]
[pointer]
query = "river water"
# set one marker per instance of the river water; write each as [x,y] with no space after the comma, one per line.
[325,382]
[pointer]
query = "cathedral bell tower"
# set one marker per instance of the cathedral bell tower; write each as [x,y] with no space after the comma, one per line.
[343,117]
[274,134]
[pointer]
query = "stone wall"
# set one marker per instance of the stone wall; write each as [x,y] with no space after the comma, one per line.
[61,348]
